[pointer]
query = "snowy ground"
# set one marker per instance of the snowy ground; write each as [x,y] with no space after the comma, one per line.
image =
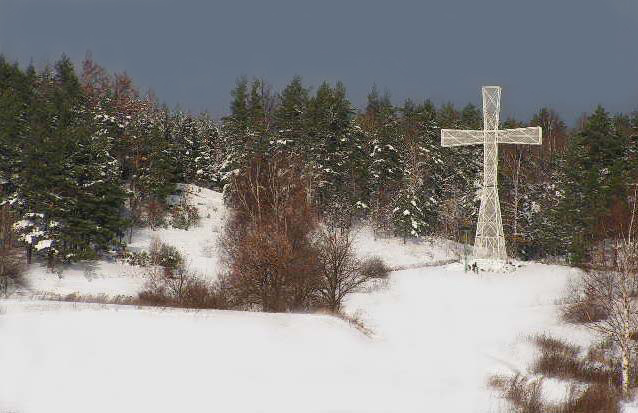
[439,333]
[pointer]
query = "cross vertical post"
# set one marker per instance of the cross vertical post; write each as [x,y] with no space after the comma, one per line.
[490,241]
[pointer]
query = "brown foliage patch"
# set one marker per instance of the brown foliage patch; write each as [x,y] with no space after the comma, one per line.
[272,261]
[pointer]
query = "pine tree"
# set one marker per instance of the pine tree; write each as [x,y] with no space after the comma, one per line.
[208,156]
[416,212]
[291,119]
[386,167]
[461,178]
[330,121]
[594,173]
[244,131]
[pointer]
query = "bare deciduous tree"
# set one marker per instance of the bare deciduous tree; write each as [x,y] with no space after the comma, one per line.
[271,259]
[613,292]
[342,272]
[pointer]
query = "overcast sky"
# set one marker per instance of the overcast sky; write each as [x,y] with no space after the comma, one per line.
[566,54]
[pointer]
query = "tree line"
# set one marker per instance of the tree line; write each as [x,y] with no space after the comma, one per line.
[85,158]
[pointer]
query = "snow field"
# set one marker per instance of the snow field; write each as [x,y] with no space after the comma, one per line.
[439,334]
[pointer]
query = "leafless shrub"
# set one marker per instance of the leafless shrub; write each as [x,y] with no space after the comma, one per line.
[357,322]
[342,273]
[561,360]
[155,298]
[166,256]
[184,215]
[375,267]
[583,311]
[523,394]
[155,213]
[554,345]
[276,258]
[596,398]
[594,386]
[200,295]
[94,298]
[180,288]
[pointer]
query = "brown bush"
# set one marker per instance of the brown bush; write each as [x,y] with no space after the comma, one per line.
[181,288]
[578,308]
[595,387]
[355,321]
[551,344]
[375,267]
[597,398]
[560,359]
[582,312]
[201,295]
[184,215]
[523,394]
[155,213]
[276,258]
[271,259]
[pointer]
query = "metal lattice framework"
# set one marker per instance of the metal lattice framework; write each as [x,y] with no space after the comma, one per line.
[490,242]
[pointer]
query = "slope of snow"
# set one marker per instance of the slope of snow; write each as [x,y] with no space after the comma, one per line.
[112,278]
[199,243]
[100,277]
[439,334]
[412,253]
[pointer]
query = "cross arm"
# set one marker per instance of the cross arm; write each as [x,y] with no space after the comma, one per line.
[529,136]
[457,137]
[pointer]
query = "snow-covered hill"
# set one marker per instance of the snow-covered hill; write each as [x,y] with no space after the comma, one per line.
[112,278]
[199,245]
[439,333]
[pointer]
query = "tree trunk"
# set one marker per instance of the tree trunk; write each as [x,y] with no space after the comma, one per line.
[625,372]
[626,356]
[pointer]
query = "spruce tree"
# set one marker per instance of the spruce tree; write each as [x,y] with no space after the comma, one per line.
[291,119]
[594,174]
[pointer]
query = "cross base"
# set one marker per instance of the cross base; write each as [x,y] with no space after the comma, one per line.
[490,248]
[490,242]
[490,265]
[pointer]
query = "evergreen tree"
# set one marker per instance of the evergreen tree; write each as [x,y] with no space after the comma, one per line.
[291,119]
[208,156]
[594,174]
[461,178]
[471,117]
[386,167]
[416,212]
[244,133]
[16,98]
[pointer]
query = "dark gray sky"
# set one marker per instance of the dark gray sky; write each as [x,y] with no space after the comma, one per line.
[567,54]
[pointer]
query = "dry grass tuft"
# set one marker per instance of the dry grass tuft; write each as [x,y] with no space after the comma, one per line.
[594,383]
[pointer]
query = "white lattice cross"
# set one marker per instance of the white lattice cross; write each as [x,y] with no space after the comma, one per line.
[490,242]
